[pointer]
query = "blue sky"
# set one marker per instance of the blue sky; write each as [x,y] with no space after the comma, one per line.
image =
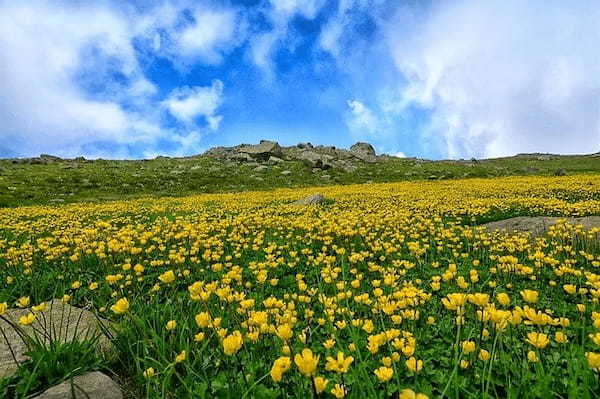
[433,79]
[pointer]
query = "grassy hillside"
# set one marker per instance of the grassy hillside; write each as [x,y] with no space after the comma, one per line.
[65,181]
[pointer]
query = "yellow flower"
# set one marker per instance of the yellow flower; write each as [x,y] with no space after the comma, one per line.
[232,343]
[464,364]
[167,277]
[66,298]
[410,394]
[484,355]
[414,365]
[41,307]
[539,340]
[280,366]
[203,319]
[181,357]
[121,306]
[384,373]
[503,299]
[580,307]
[3,308]
[532,357]
[23,302]
[530,296]
[27,319]
[593,360]
[468,346]
[339,364]
[338,391]
[320,384]
[570,289]
[93,286]
[199,337]
[149,372]
[284,332]
[307,362]
[561,337]
[171,324]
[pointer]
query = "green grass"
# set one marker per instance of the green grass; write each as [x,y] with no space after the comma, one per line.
[102,180]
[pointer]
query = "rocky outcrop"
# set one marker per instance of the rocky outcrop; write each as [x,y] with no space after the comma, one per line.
[315,157]
[263,150]
[315,160]
[94,385]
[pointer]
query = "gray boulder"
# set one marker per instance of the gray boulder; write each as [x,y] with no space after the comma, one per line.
[94,385]
[363,151]
[315,160]
[263,150]
[311,200]
[274,160]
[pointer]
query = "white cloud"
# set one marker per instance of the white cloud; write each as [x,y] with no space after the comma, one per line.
[58,62]
[504,76]
[42,105]
[362,120]
[189,103]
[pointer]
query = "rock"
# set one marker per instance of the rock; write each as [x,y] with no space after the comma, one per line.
[363,151]
[274,160]
[315,160]
[260,168]
[311,200]
[241,157]
[50,158]
[66,322]
[560,172]
[94,385]
[539,225]
[264,150]
[286,172]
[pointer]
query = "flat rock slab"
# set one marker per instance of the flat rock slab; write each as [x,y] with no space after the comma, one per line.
[539,225]
[94,385]
[61,321]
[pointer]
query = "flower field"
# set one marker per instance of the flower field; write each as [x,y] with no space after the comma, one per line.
[386,290]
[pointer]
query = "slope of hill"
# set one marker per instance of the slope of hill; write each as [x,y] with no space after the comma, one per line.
[52,180]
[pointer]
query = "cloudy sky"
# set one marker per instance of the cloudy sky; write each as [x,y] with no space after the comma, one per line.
[427,78]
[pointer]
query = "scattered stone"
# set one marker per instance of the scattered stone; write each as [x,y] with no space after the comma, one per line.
[94,385]
[242,157]
[66,323]
[286,172]
[311,200]
[326,177]
[260,168]
[560,172]
[539,225]
[274,160]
